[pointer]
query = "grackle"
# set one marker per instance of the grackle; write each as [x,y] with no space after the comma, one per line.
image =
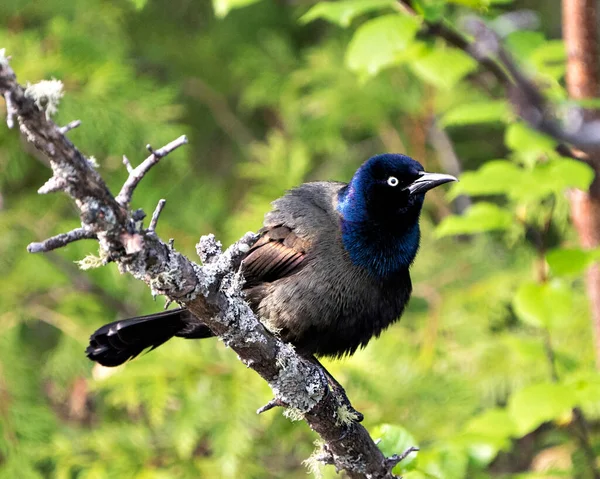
[329,271]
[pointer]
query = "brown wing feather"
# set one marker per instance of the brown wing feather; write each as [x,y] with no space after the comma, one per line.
[279,252]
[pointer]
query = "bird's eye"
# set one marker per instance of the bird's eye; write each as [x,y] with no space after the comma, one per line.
[392,181]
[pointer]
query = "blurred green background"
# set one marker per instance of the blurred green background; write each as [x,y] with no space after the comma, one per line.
[491,366]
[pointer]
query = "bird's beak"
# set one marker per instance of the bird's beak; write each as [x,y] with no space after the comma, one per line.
[427,181]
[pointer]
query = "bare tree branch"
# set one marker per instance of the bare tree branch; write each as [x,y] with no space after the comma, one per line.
[70,126]
[61,240]
[10,110]
[156,214]
[212,292]
[136,174]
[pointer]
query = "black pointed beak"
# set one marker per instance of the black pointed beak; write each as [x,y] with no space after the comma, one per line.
[427,181]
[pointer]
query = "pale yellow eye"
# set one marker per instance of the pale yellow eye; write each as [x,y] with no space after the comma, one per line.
[392,181]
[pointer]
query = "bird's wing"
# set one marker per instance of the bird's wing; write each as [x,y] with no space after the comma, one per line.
[278,252]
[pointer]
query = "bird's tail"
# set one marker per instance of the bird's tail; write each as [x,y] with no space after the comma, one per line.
[117,342]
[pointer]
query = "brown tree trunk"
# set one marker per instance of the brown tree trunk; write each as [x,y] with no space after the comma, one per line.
[580,31]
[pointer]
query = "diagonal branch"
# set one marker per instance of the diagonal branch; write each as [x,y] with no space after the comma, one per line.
[212,292]
[137,174]
[526,98]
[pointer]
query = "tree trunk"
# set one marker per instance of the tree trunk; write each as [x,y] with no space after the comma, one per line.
[580,31]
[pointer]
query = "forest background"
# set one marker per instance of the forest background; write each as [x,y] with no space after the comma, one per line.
[492,370]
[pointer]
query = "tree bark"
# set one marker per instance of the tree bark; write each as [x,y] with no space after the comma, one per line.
[580,31]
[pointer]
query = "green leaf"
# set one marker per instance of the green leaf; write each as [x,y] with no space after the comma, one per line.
[534,405]
[586,387]
[523,43]
[479,4]
[223,7]
[565,173]
[495,177]
[432,10]
[479,218]
[443,67]
[395,440]
[520,138]
[504,177]
[544,305]
[475,113]
[550,59]
[493,423]
[570,261]
[342,13]
[381,43]
[139,4]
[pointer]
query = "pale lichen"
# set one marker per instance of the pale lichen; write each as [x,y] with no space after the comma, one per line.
[299,384]
[319,458]
[90,262]
[345,416]
[46,94]
[3,57]
[293,414]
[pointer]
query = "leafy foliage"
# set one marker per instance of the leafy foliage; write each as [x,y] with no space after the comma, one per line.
[495,352]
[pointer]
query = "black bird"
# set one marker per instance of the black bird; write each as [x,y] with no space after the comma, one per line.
[329,271]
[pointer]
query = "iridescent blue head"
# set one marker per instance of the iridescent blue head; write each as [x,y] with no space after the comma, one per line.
[380,210]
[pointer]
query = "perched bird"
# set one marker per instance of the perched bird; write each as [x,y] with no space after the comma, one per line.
[329,271]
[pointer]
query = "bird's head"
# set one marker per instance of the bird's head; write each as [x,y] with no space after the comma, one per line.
[380,210]
[388,187]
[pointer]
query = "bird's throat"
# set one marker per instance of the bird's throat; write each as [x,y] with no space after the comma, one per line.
[382,251]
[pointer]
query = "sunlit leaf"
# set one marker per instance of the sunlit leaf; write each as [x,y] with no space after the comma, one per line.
[519,137]
[550,58]
[544,305]
[223,7]
[395,440]
[380,43]
[443,67]
[139,4]
[479,218]
[432,10]
[342,13]
[523,43]
[570,261]
[495,423]
[534,405]
[475,113]
[501,177]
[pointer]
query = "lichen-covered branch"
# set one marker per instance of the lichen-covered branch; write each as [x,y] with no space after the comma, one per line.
[212,292]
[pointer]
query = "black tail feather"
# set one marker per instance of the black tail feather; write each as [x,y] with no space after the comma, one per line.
[117,342]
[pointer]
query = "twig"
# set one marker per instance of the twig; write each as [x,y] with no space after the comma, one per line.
[61,240]
[396,459]
[156,214]
[127,164]
[273,403]
[69,126]
[136,175]
[10,110]
[53,185]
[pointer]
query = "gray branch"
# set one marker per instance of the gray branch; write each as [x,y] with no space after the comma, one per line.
[136,174]
[212,292]
[70,126]
[156,214]
[61,240]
